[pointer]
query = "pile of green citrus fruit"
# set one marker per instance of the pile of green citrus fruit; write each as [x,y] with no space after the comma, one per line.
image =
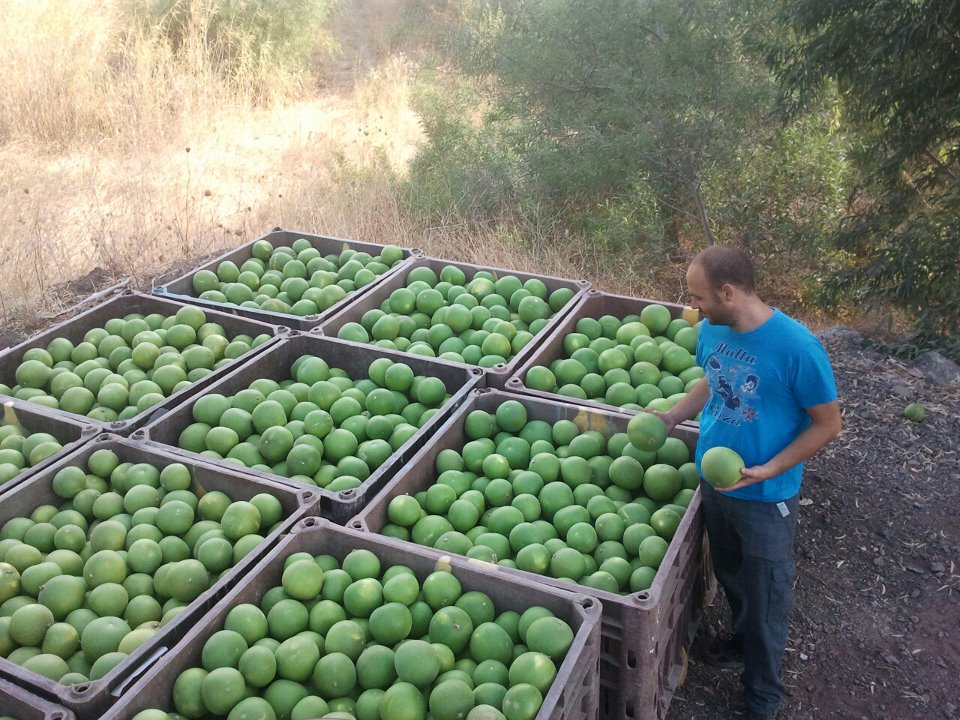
[295,280]
[83,584]
[20,449]
[128,365]
[318,426]
[483,321]
[644,361]
[554,499]
[355,642]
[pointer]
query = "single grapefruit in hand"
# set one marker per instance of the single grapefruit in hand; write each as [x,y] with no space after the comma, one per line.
[721,467]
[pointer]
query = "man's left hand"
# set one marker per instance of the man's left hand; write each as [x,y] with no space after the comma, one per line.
[749,476]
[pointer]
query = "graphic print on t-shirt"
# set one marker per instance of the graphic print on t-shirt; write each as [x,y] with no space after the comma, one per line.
[735,383]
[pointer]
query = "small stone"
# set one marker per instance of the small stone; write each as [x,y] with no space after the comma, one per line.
[938,368]
[916,569]
[915,593]
[840,335]
[878,561]
[804,656]
[902,391]
[937,567]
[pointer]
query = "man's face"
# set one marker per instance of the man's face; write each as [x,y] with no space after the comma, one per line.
[713,303]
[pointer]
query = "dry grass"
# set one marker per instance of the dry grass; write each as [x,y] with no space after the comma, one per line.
[122,155]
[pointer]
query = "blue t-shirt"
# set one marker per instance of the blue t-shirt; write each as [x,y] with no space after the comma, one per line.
[761,382]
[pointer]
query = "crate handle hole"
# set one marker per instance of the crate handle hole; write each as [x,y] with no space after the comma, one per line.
[631,659]
[357,524]
[81,689]
[587,602]
[309,522]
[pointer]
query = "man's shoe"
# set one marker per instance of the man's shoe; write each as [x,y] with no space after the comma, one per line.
[725,652]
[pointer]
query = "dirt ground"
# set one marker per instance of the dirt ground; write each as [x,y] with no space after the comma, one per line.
[875,629]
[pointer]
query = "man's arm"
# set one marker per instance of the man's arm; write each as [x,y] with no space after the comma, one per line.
[688,407]
[825,426]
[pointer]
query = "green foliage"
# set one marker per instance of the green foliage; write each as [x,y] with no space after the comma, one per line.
[245,40]
[637,124]
[906,254]
[790,186]
[897,68]
[468,169]
[895,63]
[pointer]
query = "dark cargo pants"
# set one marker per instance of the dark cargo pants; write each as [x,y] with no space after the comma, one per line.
[751,544]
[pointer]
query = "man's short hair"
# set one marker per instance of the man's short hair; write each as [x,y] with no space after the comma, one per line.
[725,264]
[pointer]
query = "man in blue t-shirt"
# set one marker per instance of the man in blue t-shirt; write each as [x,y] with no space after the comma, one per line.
[769,394]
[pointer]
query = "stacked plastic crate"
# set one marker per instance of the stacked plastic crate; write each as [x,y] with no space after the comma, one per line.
[645,633]
[155,520]
[365,362]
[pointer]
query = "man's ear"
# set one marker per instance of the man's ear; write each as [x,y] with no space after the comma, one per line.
[727,292]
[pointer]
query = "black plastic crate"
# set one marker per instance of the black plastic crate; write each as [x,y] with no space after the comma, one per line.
[645,636]
[181,289]
[34,418]
[88,700]
[572,696]
[275,364]
[497,375]
[593,304]
[75,328]
[18,703]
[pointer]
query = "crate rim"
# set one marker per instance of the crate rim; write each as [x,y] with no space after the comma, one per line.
[644,599]
[295,321]
[500,372]
[515,382]
[86,697]
[393,463]
[587,609]
[42,338]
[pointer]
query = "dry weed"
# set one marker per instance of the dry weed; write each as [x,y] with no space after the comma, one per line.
[121,155]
